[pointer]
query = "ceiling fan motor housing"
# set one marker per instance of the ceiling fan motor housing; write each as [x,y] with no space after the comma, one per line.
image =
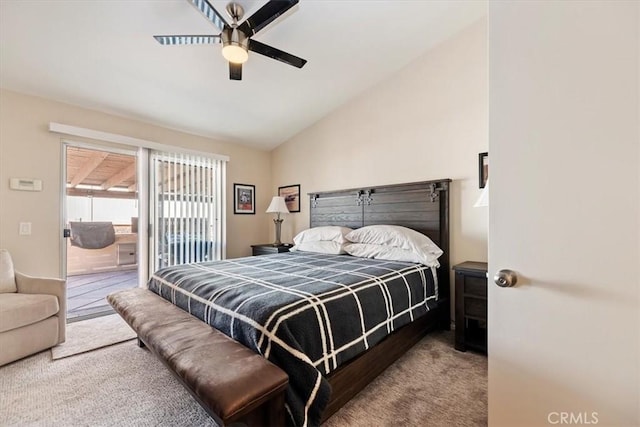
[235,11]
[235,37]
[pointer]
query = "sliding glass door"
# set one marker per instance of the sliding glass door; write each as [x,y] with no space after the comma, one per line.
[187,209]
[100,206]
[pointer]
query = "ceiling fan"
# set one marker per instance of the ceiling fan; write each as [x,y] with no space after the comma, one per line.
[236,38]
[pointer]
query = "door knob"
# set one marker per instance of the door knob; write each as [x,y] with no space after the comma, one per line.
[505,278]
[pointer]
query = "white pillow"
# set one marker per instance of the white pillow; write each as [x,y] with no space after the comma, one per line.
[390,253]
[331,233]
[321,247]
[395,236]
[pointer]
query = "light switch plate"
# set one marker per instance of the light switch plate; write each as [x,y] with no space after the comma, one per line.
[25,228]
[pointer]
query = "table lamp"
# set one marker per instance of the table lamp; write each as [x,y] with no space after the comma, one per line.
[278,206]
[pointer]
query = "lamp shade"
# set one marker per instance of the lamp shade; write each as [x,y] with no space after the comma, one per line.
[277,205]
[483,200]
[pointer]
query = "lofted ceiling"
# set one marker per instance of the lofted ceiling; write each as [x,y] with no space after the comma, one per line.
[100,54]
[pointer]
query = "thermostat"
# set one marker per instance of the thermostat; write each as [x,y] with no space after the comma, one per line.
[25,184]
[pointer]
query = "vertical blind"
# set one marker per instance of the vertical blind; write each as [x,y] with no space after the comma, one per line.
[187,204]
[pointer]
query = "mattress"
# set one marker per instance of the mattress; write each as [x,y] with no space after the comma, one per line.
[307,313]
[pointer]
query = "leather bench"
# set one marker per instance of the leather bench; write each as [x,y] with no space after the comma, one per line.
[232,383]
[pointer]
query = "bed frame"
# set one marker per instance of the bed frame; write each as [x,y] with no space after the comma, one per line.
[422,206]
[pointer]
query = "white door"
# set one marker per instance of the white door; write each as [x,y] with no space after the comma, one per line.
[564,148]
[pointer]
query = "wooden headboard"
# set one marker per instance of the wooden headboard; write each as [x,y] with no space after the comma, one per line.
[421,206]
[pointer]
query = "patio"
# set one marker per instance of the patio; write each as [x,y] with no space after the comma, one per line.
[86,294]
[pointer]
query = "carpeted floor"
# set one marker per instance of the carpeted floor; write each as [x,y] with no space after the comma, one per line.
[88,335]
[432,385]
[125,385]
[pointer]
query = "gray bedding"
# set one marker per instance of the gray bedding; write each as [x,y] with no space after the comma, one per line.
[307,313]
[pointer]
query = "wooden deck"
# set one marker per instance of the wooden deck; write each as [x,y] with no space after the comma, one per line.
[86,294]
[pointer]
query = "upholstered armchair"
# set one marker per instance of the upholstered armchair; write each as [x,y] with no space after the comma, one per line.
[33,312]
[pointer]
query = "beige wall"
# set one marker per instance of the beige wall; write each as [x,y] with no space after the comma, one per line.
[29,150]
[428,121]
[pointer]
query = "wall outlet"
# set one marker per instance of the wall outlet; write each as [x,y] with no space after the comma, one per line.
[25,228]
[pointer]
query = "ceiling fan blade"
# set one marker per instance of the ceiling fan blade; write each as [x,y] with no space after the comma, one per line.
[277,54]
[210,13]
[178,40]
[265,15]
[235,71]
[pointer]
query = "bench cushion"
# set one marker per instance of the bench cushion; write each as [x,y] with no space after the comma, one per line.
[17,310]
[228,379]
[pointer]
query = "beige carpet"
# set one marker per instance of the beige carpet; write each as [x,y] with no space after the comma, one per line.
[125,385]
[120,385]
[88,335]
[432,385]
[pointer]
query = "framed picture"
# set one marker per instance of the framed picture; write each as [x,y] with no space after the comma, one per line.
[291,194]
[483,169]
[244,199]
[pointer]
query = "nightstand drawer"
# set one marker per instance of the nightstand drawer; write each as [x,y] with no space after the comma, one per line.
[471,305]
[265,251]
[268,249]
[476,286]
[475,307]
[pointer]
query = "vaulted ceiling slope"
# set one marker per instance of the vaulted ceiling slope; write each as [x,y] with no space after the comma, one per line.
[100,54]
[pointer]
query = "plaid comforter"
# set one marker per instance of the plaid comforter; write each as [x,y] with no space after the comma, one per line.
[306,313]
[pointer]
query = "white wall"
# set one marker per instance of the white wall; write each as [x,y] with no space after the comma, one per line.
[564,212]
[428,121]
[29,150]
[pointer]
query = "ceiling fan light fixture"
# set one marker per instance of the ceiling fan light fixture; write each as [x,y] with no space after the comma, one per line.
[235,53]
[235,36]
[235,45]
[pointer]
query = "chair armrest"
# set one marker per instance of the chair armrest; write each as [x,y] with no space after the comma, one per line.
[40,285]
[48,286]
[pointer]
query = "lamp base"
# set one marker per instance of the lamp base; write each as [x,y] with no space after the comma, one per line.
[278,223]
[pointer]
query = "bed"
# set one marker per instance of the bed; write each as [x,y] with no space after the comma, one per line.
[337,362]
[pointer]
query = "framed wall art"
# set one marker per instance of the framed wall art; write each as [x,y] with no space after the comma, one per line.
[291,194]
[244,199]
[483,169]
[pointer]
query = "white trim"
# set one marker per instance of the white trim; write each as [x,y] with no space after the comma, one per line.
[96,146]
[126,140]
[63,209]
[221,182]
[142,175]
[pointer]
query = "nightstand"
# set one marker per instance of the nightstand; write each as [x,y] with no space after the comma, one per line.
[471,306]
[270,248]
